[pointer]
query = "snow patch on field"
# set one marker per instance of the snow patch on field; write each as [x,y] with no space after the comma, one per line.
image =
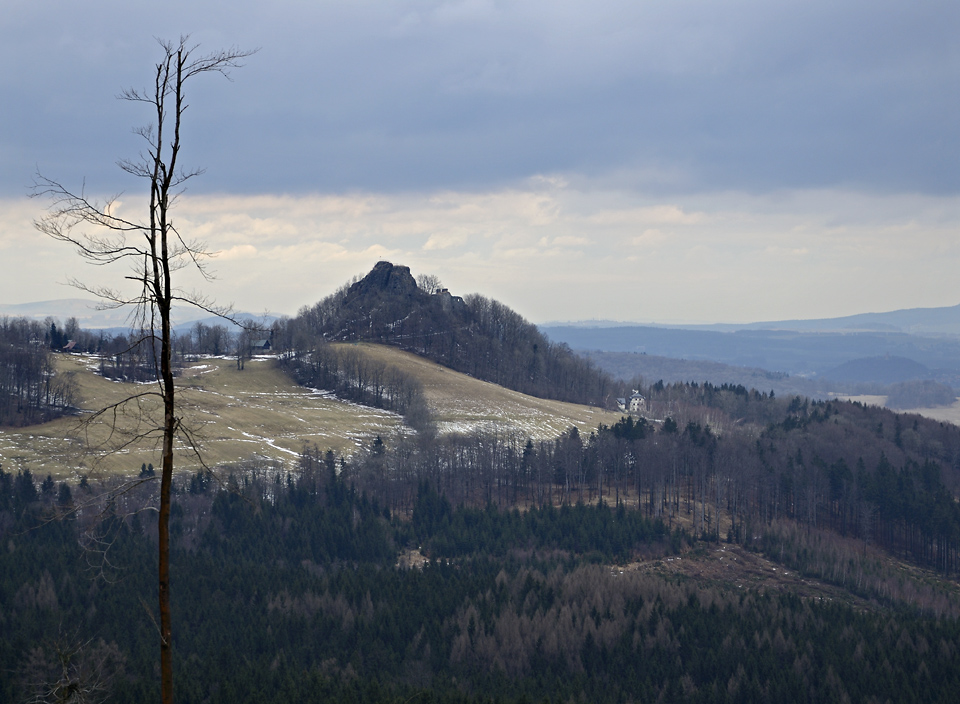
[270,442]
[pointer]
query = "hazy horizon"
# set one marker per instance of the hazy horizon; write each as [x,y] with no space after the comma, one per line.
[85,309]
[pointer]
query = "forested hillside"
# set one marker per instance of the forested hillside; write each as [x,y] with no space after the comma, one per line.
[475,335]
[726,463]
[634,365]
[535,570]
[286,589]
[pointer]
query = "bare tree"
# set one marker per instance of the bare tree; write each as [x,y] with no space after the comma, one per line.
[243,350]
[429,283]
[71,672]
[155,249]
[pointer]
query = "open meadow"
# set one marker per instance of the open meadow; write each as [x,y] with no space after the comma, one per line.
[260,412]
[232,416]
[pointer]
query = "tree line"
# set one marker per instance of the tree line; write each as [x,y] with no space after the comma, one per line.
[30,390]
[354,376]
[33,391]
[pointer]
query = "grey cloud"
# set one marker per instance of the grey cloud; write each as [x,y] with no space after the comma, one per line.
[425,95]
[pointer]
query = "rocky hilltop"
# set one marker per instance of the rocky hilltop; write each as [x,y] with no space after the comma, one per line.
[473,334]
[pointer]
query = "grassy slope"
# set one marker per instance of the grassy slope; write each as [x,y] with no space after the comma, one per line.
[461,403]
[261,411]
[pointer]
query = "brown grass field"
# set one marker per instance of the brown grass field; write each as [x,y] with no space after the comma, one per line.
[236,415]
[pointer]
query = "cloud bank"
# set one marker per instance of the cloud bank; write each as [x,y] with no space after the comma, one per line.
[558,253]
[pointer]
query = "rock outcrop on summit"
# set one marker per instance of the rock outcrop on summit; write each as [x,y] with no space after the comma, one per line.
[385,278]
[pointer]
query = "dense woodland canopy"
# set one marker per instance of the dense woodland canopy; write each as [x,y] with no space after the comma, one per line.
[920,394]
[726,463]
[286,589]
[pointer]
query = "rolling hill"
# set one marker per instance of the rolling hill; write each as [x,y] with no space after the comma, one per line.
[472,334]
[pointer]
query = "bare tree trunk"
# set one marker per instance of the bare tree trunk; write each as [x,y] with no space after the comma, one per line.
[163,576]
[166,482]
[161,251]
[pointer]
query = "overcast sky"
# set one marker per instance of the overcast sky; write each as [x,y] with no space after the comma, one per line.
[697,161]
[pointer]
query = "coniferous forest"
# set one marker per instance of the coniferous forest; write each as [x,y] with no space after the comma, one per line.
[287,589]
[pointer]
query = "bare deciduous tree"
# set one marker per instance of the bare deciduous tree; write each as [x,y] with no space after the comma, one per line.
[70,672]
[429,283]
[155,249]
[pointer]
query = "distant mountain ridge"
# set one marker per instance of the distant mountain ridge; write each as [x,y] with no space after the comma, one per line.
[924,343]
[912,321]
[882,370]
[83,309]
